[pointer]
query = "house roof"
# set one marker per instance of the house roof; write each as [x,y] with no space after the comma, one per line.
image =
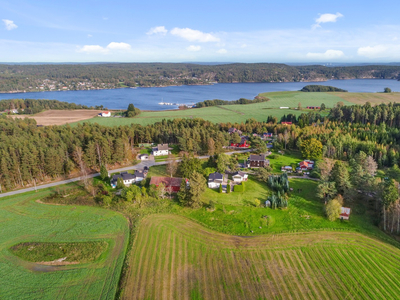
[139,173]
[124,176]
[215,176]
[162,147]
[232,129]
[254,157]
[168,181]
[240,173]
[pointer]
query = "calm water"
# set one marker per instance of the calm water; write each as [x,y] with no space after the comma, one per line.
[148,98]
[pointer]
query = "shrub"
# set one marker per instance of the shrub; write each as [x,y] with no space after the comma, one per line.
[238,188]
[220,189]
[228,188]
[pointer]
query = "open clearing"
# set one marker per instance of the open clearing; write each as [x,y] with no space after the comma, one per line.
[22,219]
[175,258]
[61,117]
[373,98]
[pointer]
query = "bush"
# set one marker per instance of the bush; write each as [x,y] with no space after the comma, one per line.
[228,188]
[220,189]
[238,188]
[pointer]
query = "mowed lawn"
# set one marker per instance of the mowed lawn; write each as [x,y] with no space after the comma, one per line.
[24,220]
[176,258]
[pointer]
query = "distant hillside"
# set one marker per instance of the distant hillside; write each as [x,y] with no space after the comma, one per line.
[33,106]
[321,88]
[53,77]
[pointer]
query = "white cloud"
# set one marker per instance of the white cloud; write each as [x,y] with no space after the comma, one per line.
[194,35]
[222,51]
[380,51]
[10,25]
[193,48]
[89,35]
[326,18]
[119,46]
[329,54]
[104,50]
[157,30]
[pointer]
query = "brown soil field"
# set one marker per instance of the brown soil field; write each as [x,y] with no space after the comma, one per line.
[373,98]
[61,117]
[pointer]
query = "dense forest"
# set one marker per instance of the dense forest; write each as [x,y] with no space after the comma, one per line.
[321,88]
[15,78]
[216,102]
[33,106]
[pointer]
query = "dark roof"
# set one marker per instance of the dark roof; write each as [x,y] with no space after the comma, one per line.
[142,155]
[124,176]
[254,157]
[139,173]
[162,147]
[239,173]
[168,181]
[215,176]
[232,129]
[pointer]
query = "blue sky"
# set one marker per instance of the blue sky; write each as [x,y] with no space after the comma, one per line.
[209,31]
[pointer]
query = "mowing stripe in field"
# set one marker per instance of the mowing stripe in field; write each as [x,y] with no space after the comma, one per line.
[180,259]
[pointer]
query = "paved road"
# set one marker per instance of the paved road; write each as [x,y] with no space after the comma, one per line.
[139,166]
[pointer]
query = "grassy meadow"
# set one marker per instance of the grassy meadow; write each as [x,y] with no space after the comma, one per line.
[83,276]
[176,258]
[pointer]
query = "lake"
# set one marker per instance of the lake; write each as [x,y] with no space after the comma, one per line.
[148,98]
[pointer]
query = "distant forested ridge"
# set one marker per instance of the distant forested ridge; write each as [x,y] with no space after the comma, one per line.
[17,78]
[321,88]
[33,106]
[216,102]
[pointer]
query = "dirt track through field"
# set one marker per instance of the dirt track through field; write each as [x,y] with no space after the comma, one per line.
[175,258]
[61,117]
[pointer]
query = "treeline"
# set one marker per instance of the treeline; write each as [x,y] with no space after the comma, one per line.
[33,106]
[94,76]
[321,88]
[216,102]
[29,153]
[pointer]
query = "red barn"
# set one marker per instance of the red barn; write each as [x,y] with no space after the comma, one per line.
[172,183]
[243,144]
[286,123]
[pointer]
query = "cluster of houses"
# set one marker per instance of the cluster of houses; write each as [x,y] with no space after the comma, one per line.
[128,178]
[313,107]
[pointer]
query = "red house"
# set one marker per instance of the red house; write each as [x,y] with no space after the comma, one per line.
[171,183]
[242,144]
[306,165]
[286,123]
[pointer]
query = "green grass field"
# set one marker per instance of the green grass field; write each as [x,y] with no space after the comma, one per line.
[175,258]
[259,111]
[22,219]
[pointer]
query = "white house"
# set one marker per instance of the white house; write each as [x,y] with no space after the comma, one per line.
[105,114]
[161,149]
[144,157]
[239,176]
[139,175]
[215,180]
[127,178]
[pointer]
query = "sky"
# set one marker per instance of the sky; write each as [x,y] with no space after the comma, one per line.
[200,31]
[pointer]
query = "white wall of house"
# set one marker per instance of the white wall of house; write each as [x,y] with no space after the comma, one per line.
[213,185]
[160,152]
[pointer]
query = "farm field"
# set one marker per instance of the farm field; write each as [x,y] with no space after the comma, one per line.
[175,258]
[22,219]
[233,113]
[61,117]
[373,98]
